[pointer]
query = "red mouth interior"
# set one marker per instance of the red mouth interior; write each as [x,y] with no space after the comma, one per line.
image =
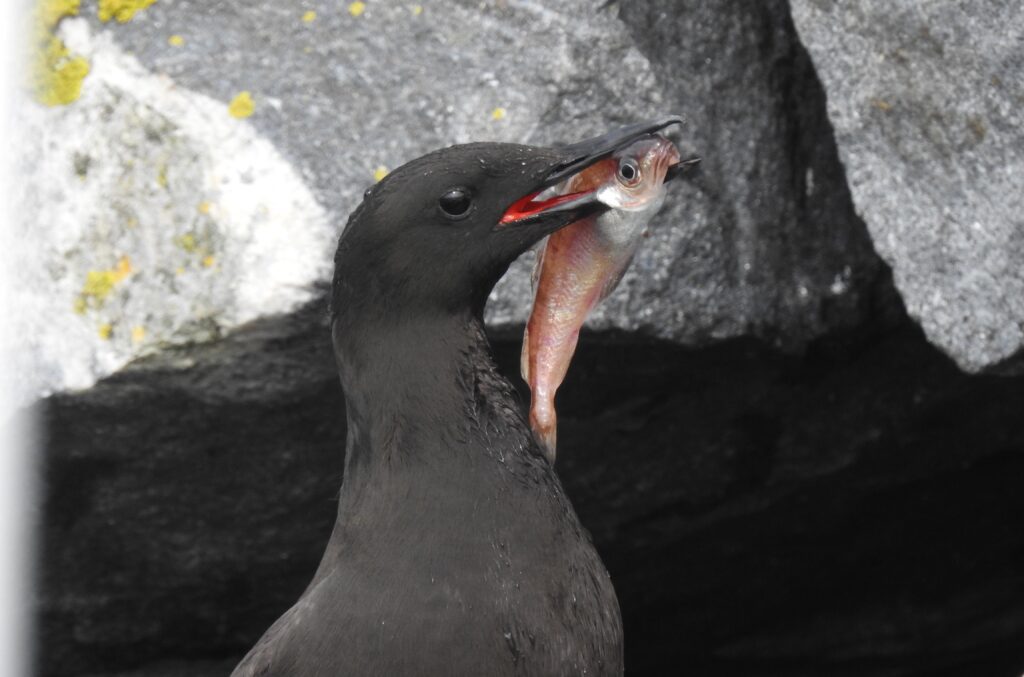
[526,206]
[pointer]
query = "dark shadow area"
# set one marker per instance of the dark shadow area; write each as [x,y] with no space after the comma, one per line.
[855,510]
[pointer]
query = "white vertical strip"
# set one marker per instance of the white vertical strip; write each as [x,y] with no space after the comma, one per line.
[16,487]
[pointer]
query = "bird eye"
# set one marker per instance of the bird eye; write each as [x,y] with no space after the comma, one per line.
[629,172]
[455,202]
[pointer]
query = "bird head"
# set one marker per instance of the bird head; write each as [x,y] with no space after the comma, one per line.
[435,235]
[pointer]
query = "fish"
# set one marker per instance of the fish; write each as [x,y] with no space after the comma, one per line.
[581,264]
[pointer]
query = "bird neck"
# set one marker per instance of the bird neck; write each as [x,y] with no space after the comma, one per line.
[425,391]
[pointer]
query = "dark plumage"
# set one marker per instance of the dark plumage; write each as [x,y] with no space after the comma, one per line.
[455,551]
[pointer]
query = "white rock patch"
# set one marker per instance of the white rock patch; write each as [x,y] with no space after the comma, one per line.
[145,216]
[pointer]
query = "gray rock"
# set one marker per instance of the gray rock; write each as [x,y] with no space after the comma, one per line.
[343,95]
[926,100]
[169,221]
[764,242]
[146,217]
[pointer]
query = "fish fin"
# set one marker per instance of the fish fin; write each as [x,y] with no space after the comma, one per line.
[524,356]
[535,275]
[612,282]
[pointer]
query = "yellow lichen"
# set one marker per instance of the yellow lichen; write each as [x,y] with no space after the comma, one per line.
[49,12]
[209,261]
[242,105]
[99,283]
[138,333]
[124,268]
[309,17]
[882,105]
[379,173]
[498,113]
[161,176]
[176,41]
[180,270]
[357,8]
[121,10]
[188,243]
[204,207]
[417,10]
[105,330]
[56,74]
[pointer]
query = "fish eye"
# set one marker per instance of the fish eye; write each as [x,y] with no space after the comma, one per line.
[629,172]
[455,202]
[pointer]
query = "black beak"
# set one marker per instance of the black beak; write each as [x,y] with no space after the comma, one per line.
[679,168]
[585,153]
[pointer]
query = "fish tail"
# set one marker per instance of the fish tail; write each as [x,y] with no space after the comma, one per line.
[548,442]
[544,423]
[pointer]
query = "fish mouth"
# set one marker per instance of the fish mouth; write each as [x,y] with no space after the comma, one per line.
[542,202]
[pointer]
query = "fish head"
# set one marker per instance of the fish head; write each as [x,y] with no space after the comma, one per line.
[633,179]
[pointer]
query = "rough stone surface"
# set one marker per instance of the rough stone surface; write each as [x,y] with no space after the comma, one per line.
[927,101]
[147,216]
[770,209]
[763,241]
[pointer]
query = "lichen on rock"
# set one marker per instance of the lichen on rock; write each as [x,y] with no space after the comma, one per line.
[100,283]
[160,212]
[121,10]
[241,106]
[56,73]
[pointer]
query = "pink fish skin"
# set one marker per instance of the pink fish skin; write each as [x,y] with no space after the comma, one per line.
[583,263]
